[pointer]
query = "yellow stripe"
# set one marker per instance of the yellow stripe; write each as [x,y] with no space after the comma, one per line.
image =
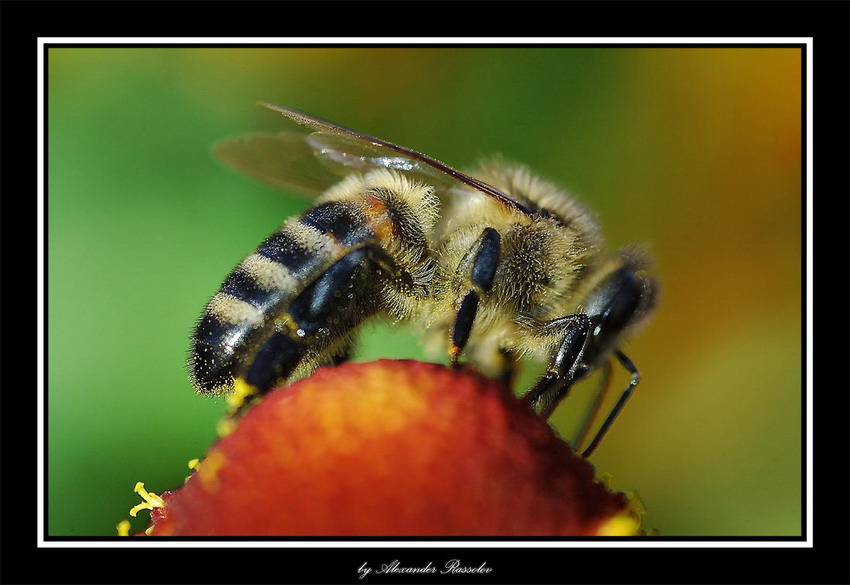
[318,243]
[268,274]
[230,310]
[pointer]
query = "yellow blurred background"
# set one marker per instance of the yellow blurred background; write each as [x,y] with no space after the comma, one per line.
[693,152]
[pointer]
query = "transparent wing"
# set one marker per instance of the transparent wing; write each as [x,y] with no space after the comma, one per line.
[284,161]
[309,163]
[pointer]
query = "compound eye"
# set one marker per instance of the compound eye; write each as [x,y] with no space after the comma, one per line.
[624,299]
[619,301]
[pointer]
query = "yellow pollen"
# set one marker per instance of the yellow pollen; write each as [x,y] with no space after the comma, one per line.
[287,325]
[623,524]
[208,472]
[123,527]
[151,500]
[225,426]
[242,390]
[629,521]
[194,465]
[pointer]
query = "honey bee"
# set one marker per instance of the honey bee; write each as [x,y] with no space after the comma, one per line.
[493,265]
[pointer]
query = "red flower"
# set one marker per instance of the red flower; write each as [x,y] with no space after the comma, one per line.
[392,448]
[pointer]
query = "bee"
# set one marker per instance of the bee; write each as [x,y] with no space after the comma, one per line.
[493,265]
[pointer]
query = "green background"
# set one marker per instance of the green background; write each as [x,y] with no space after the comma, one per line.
[695,153]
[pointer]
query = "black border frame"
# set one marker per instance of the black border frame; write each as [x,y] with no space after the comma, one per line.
[23,23]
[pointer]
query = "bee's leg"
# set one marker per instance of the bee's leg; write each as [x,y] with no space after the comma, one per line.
[565,366]
[624,397]
[479,266]
[283,350]
[593,411]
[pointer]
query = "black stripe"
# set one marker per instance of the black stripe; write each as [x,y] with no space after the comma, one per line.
[243,286]
[341,219]
[211,362]
[282,247]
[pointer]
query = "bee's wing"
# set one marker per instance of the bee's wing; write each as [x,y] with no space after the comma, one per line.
[284,161]
[313,162]
[310,163]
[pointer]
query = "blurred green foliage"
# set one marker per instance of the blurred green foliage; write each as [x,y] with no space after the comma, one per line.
[693,152]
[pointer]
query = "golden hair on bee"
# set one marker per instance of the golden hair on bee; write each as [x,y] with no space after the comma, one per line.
[401,212]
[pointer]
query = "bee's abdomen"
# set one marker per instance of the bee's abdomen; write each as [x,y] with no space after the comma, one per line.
[267,285]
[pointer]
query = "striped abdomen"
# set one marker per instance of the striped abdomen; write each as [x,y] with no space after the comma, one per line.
[297,290]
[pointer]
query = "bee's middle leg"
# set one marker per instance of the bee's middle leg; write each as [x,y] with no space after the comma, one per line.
[479,266]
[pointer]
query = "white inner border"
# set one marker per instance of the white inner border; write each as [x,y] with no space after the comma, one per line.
[648,543]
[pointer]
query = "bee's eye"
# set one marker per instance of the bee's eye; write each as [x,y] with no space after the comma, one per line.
[618,301]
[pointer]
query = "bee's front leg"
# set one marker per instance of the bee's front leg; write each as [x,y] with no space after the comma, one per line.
[565,366]
[479,268]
